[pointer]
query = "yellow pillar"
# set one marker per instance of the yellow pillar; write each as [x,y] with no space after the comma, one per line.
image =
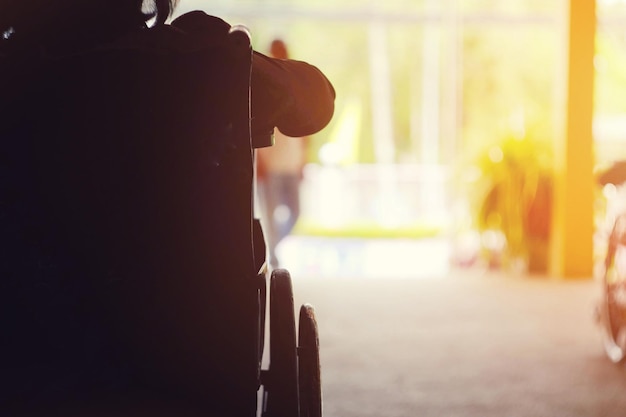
[572,243]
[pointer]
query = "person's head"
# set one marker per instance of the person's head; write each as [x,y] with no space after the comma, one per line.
[278,49]
[29,22]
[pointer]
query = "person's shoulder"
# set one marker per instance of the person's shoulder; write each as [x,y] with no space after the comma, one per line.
[198,23]
[190,32]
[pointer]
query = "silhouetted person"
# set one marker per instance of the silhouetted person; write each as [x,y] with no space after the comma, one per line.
[103,111]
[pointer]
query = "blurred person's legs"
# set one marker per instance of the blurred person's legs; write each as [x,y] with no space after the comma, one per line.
[289,204]
[280,200]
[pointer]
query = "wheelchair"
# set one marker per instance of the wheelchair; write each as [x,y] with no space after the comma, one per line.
[135,279]
[611,310]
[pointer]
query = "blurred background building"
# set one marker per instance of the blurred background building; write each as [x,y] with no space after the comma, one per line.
[463,130]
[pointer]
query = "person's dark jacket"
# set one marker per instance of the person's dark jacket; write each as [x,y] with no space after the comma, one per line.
[292,95]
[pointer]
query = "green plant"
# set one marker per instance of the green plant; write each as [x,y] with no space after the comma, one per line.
[516,199]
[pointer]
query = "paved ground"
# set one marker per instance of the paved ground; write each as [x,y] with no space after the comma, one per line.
[462,344]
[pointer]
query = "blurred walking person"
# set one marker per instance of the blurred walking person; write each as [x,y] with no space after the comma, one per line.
[280,173]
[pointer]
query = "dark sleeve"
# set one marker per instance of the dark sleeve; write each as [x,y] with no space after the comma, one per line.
[292,95]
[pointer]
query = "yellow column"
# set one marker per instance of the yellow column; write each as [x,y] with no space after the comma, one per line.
[572,243]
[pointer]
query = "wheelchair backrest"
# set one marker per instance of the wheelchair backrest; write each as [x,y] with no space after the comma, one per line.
[126,219]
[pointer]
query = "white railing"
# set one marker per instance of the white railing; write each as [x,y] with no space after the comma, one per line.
[387,195]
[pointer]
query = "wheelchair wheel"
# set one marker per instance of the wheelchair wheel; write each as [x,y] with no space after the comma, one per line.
[282,384]
[310,384]
[614,336]
[613,305]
